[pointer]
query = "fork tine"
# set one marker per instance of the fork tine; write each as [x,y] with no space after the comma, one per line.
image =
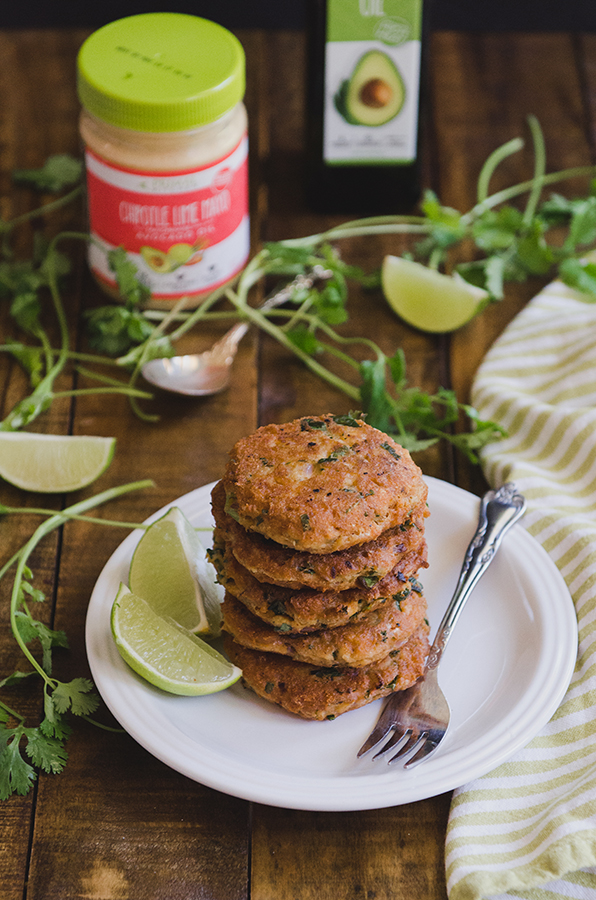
[380,732]
[411,745]
[396,740]
[384,725]
[430,745]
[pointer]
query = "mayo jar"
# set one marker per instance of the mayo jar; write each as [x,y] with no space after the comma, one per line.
[166,152]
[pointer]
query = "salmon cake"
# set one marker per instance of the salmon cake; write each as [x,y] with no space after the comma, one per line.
[306,610]
[321,484]
[274,563]
[325,693]
[358,644]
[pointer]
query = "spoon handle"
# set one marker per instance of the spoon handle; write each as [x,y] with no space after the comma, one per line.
[228,343]
[499,510]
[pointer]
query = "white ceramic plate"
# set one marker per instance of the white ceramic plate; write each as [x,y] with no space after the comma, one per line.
[505,672]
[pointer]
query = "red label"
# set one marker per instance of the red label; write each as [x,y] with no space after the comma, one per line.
[166,220]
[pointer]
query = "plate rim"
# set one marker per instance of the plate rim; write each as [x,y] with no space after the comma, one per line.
[338,793]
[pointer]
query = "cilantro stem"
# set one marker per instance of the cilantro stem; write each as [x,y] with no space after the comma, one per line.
[493,161]
[364,227]
[12,712]
[539,170]
[102,726]
[275,331]
[523,187]
[124,389]
[40,511]
[49,207]
[196,315]
[53,522]
[25,411]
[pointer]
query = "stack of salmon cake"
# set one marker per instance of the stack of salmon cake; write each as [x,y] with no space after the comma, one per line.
[318,541]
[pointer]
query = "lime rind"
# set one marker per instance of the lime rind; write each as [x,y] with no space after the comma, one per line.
[164,653]
[203,571]
[427,299]
[53,463]
[169,569]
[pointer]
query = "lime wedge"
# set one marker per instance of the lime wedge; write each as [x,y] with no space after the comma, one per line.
[427,299]
[53,463]
[165,654]
[170,571]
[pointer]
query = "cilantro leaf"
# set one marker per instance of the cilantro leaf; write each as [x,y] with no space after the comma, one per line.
[488,274]
[75,695]
[582,227]
[15,679]
[533,251]
[375,400]
[31,629]
[46,752]
[16,775]
[33,593]
[330,302]
[581,276]
[447,224]
[30,358]
[58,171]
[497,229]
[55,725]
[114,329]
[305,340]
[126,274]
[25,310]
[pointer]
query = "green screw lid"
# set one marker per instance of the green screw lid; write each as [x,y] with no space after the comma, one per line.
[160,72]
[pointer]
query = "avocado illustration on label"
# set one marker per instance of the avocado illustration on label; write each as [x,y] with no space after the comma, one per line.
[179,254]
[375,92]
[156,259]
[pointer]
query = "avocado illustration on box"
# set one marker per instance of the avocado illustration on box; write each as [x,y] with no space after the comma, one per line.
[374,93]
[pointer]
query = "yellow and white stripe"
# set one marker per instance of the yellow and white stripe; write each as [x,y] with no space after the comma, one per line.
[528,829]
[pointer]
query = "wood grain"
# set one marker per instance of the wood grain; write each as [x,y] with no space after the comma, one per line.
[347,856]
[117,824]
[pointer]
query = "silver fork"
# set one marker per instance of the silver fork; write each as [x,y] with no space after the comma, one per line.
[419,716]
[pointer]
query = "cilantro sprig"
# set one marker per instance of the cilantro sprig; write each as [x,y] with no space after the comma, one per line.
[512,241]
[26,747]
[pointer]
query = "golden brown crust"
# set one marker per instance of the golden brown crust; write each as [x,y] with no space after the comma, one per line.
[323,693]
[273,563]
[305,610]
[319,485]
[361,643]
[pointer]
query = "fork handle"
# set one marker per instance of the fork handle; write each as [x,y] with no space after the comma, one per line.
[499,510]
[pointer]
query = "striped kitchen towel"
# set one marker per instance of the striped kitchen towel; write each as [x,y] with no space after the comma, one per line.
[528,829]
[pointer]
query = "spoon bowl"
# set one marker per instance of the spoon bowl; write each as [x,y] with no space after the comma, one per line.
[189,375]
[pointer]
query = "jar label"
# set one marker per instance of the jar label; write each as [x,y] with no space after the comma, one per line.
[187,232]
[372,81]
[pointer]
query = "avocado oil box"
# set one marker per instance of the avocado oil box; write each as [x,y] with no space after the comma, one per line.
[363,105]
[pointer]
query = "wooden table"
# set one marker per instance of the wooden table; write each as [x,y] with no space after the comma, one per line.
[117,824]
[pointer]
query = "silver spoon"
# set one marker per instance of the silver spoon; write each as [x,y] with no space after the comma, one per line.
[201,374]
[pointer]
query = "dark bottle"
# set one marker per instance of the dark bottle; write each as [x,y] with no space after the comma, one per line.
[365,67]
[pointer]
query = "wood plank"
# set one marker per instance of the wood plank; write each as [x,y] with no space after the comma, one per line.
[29,135]
[287,388]
[118,823]
[342,856]
[585,47]
[484,87]
[365,853]
[113,796]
